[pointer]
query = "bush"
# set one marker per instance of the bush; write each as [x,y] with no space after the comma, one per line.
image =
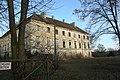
[99,54]
[111,53]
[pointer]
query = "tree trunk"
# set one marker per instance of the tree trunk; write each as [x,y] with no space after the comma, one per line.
[21,37]
[13,34]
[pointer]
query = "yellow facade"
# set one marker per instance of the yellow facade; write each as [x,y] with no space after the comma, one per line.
[39,36]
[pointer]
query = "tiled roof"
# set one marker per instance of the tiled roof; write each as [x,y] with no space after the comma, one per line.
[52,21]
[57,23]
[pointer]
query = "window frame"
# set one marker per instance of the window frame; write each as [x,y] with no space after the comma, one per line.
[63,33]
[56,31]
[64,46]
[75,44]
[78,35]
[70,44]
[48,29]
[69,34]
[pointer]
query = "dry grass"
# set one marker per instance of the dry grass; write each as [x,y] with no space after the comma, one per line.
[107,68]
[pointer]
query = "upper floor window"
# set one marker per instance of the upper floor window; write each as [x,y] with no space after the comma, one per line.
[56,31]
[48,42]
[5,47]
[84,45]
[37,41]
[27,41]
[37,28]
[79,45]
[74,35]
[48,29]
[87,37]
[78,36]
[69,43]
[75,44]
[88,45]
[57,43]
[69,34]
[8,47]
[83,37]
[63,43]
[63,33]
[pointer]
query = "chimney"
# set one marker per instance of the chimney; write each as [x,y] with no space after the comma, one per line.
[34,13]
[73,24]
[52,17]
[43,15]
[63,20]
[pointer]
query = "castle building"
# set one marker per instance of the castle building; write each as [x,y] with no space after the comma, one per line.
[40,33]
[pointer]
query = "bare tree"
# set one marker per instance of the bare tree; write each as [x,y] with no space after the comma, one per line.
[12,11]
[100,48]
[103,15]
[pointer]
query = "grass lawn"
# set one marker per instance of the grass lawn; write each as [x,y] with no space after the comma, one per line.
[106,68]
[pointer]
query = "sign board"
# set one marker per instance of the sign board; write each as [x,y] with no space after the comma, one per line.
[5,65]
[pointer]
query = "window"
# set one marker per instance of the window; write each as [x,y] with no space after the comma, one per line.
[37,41]
[83,37]
[69,43]
[37,28]
[88,45]
[74,35]
[5,47]
[89,54]
[78,36]
[84,45]
[57,44]
[27,41]
[8,47]
[48,29]
[37,38]
[63,33]
[48,42]
[79,45]
[75,44]
[87,37]
[63,43]
[56,31]
[69,34]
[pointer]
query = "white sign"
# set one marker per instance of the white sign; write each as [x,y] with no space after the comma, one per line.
[5,65]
